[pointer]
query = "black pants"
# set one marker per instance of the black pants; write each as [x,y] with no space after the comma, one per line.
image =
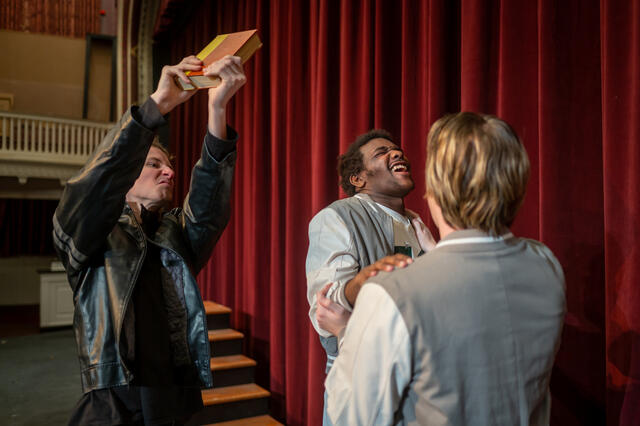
[137,405]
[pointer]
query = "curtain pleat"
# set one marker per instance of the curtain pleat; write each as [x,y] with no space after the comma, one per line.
[564,74]
[620,47]
[72,18]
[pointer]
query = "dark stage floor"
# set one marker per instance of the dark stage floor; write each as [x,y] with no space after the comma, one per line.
[39,372]
[20,320]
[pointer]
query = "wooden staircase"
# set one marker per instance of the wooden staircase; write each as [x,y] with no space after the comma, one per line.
[234,399]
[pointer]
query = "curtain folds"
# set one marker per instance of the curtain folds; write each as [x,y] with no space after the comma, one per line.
[564,74]
[71,18]
[620,53]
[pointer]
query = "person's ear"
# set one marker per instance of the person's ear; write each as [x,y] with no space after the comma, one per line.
[357,181]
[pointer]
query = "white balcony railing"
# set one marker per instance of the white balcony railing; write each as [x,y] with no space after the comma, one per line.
[43,153]
[49,140]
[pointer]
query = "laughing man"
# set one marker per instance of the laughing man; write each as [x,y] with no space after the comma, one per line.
[353,238]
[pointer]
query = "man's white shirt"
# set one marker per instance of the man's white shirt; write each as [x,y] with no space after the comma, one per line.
[374,366]
[368,378]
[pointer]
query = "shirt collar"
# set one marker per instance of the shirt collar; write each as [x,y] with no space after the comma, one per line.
[394,214]
[471,236]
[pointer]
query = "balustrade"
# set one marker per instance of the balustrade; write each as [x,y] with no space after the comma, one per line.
[47,139]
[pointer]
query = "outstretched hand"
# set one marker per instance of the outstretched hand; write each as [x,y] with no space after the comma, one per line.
[330,315]
[387,264]
[168,95]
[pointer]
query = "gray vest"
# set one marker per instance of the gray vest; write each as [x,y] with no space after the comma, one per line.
[484,321]
[372,232]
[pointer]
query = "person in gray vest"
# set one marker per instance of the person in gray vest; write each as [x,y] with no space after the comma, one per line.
[467,333]
[353,238]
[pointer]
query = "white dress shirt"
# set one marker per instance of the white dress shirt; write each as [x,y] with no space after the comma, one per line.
[375,366]
[369,376]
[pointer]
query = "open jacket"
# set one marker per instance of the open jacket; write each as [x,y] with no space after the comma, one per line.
[102,247]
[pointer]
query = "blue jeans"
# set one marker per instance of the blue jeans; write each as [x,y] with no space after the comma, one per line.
[326,421]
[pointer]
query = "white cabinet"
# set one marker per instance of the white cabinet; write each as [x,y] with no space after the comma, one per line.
[56,300]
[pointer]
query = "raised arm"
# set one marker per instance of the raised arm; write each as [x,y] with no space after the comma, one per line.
[206,209]
[230,71]
[92,201]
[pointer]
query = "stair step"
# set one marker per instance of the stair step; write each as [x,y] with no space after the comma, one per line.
[225,342]
[231,361]
[224,334]
[234,399]
[232,370]
[213,308]
[218,316]
[250,421]
[233,393]
[231,403]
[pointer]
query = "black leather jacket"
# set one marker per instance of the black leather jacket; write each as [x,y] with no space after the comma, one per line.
[102,247]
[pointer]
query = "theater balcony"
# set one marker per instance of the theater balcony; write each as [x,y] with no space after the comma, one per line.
[38,154]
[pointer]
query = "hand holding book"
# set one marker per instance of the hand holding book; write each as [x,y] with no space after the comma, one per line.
[231,75]
[242,44]
[232,78]
[167,96]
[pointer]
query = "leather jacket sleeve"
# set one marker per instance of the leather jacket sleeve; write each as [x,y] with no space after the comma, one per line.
[92,201]
[206,209]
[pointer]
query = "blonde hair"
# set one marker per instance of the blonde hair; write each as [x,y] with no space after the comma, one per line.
[157,144]
[477,171]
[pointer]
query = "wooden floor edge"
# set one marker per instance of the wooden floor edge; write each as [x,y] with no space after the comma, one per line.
[229,362]
[233,393]
[224,334]
[212,308]
[264,420]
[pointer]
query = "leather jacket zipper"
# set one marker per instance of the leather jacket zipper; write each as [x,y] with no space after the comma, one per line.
[128,373]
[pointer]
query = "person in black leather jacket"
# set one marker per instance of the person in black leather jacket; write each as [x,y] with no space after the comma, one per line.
[131,262]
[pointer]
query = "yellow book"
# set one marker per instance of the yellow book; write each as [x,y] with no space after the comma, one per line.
[243,44]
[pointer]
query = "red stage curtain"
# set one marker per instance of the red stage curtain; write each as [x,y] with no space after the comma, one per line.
[564,74]
[620,39]
[71,18]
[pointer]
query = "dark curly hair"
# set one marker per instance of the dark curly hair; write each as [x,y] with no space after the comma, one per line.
[350,163]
